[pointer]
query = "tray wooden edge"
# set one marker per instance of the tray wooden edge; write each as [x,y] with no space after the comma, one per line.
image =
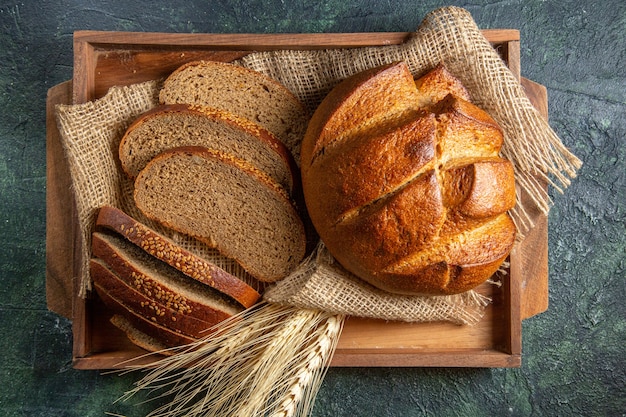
[86,43]
[529,305]
[253,41]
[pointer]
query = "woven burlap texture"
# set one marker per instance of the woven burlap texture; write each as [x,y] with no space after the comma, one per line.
[447,35]
[91,133]
[321,283]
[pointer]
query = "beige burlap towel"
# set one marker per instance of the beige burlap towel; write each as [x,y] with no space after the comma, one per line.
[448,35]
[91,133]
[321,283]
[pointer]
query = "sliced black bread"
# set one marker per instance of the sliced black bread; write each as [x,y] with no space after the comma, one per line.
[154,289]
[164,249]
[145,295]
[164,335]
[226,203]
[138,338]
[247,93]
[170,126]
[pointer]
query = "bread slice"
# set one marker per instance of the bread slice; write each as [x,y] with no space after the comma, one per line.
[165,336]
[226,203]
[164,249]
[154,289]
[171,126]
[161,303]
[247,93]
[137,337]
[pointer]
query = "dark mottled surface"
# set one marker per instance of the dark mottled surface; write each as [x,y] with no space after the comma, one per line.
[573,355]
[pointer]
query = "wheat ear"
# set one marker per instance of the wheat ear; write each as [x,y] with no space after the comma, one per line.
[301,387]
[247,366]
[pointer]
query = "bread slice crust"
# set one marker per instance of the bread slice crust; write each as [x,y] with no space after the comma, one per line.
[168,337]
[164,249]
[225,202]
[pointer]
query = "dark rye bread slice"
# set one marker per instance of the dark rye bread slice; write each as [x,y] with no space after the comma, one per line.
[164,249]
[138,338]
[242,91]
[154,289]
[228,204]
[167,337]
[170,126]
[147,296]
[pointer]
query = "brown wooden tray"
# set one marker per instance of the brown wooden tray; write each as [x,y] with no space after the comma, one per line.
[104,59]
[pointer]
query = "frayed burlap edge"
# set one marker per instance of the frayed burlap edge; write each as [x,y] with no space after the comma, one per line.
[321,283]
[90,134]
[447,35]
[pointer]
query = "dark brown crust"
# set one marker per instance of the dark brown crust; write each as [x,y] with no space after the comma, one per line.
[162,248]
[149,298]
[168,337]
[140,339]
[401,230]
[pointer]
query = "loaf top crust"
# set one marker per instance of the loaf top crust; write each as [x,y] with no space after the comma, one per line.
[405,185]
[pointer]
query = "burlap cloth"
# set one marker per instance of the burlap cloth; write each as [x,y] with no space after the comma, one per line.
[91,133]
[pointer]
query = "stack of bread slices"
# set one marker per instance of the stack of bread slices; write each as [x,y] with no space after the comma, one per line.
[215,161]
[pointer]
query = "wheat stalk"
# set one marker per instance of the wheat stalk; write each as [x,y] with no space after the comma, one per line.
[302,386]
[268,360]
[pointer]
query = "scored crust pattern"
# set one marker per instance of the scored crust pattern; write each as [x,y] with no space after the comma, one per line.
[406,188]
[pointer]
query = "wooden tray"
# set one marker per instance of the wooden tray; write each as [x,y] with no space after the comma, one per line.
[104,59]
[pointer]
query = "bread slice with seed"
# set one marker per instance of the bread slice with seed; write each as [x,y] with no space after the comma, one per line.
[155,290]
[171,126]
[164,249]
[165,336]
[247,93]
[225,202]
[165,303]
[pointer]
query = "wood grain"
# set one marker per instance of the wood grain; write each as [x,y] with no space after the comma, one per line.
[60,216]
[104,59]
[533,260]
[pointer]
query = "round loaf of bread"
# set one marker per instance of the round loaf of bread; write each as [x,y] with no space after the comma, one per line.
[408,192]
